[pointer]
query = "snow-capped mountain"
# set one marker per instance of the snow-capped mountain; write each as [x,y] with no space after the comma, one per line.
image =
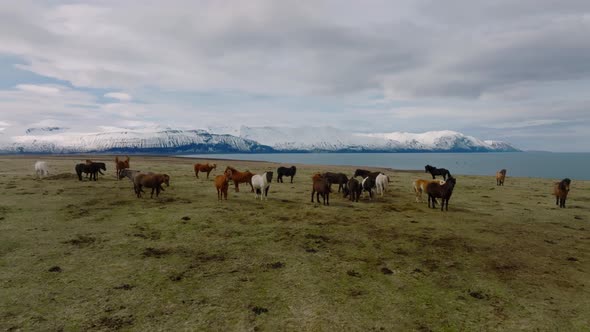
[245,140]
[152,140]
[332,139]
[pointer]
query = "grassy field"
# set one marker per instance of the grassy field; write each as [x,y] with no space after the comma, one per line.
[91,256]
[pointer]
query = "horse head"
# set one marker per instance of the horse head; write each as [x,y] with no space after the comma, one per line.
[565,184]
[451,181]
[213,166]
[228,174]
[166,179]
[427,168]
[269,176]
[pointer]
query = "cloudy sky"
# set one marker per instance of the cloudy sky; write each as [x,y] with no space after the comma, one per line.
[517,71]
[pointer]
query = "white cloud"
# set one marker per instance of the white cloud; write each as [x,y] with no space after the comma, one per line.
[40,89]
[119,95]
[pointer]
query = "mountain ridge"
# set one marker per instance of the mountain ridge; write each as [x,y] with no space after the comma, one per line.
[249,140]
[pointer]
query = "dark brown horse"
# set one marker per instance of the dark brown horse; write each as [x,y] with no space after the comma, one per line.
[205,168]
[560,191]
[240,177]
[121,165]
[354,189]
[443,191]
[93,169]
[336,178]
[500,177]
[153,181]
[321,186]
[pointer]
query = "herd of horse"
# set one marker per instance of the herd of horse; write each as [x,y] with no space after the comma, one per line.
[371,182]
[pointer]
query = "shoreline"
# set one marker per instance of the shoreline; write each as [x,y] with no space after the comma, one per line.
[180,158]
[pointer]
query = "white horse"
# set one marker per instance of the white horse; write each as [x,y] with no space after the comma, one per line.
[41,169]
[261,183]
[381,181]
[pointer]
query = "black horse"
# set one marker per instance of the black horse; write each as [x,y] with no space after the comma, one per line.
[284,171]
[363,173]
[339,178]
[437,171]
[354,189]
[93,169]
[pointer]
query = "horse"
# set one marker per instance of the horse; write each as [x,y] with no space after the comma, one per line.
[152,180]
[284,171]
[420,186]
[121,165]
[321,186]
[41,169]
[340,178]
[368,185]
[363,173]
[262,183]
[437,171]
[354,189]
[240,177]
[443,191]
[222,184]
[205,168]
[93,169]
[500,177]
[560,191]
[381,182]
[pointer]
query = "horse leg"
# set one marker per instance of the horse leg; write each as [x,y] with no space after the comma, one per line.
[328,198]
[197,173]
[266,193]
[312,193]
[237,188]
[291,178]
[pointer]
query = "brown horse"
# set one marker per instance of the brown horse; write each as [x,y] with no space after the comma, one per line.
[560,191]
[240,177]
[222,184]
[153,181]
[121,165]
[206,168]
[320,186]
[500,177]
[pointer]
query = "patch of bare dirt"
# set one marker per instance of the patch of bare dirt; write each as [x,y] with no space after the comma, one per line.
[81,241]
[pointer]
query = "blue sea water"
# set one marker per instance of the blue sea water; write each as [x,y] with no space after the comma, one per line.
[550,165]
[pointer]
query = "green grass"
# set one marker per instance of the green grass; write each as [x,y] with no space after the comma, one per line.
[501,258]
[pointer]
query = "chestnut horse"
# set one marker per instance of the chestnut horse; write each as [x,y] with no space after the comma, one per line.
[240,177]
[120,165]
[205,168]
[222,184]
[500,177]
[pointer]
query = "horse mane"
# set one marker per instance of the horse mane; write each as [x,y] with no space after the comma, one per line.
[563,183]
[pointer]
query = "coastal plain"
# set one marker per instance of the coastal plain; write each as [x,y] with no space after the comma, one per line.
[85,255]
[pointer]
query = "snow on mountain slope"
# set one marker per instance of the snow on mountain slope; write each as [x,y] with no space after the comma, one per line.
[250,139]
[332,139]
[150,140]
[313,139]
